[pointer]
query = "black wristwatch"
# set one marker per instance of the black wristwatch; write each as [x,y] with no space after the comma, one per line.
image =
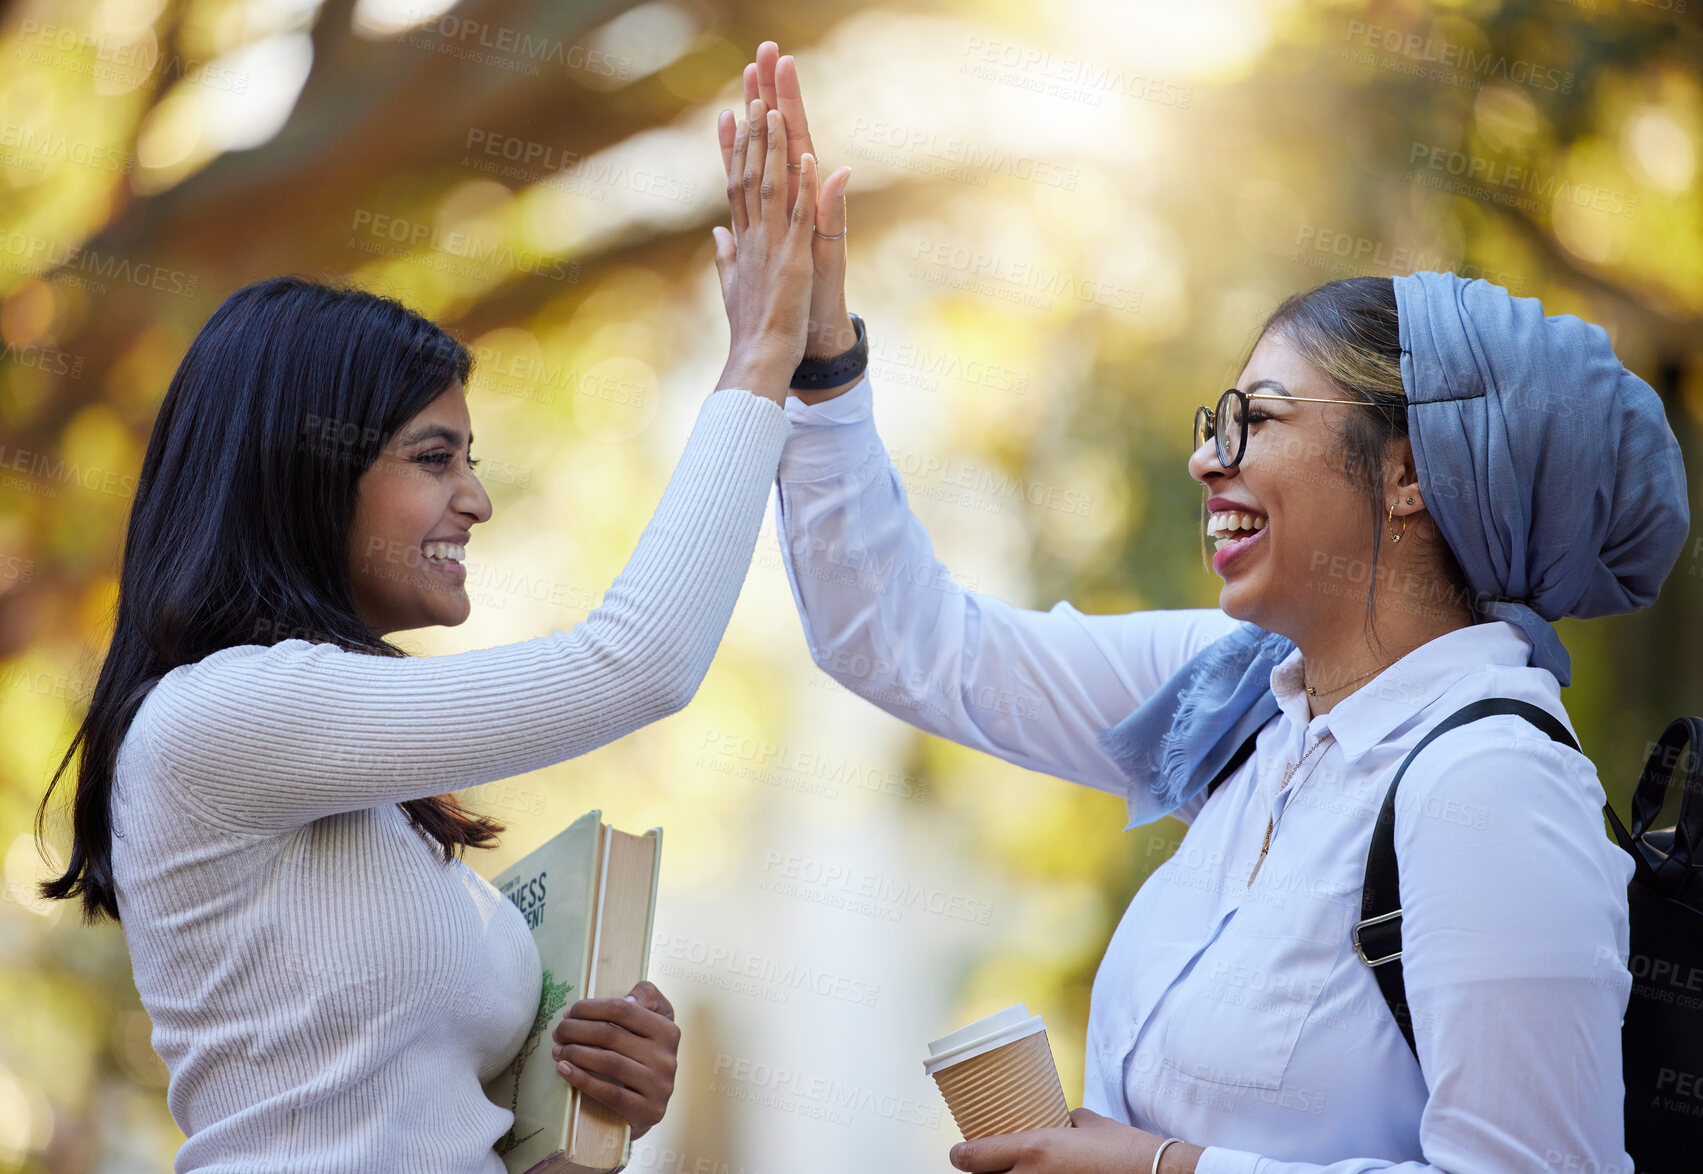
[819,374]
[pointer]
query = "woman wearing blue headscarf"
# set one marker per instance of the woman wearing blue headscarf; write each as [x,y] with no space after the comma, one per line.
[1412,478]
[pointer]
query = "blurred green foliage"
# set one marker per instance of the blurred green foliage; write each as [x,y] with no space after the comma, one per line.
[1067,222]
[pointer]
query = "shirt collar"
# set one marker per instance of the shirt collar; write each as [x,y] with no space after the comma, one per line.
[1404,689]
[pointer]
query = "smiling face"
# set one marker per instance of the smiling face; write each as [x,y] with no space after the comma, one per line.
[1295,575]
[415,508]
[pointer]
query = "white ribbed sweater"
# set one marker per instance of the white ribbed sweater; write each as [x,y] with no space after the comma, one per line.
[327,993]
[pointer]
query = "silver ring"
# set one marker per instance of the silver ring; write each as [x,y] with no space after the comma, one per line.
[825,236]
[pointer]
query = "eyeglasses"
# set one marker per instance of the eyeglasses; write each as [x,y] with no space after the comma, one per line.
[1228,425]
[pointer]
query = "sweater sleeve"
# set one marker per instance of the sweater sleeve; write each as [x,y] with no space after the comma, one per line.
[261,739]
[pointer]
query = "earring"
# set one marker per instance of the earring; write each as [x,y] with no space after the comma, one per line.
[1391,518]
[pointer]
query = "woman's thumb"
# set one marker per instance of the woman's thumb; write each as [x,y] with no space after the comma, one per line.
[726,263]
[726,252]
[831,203]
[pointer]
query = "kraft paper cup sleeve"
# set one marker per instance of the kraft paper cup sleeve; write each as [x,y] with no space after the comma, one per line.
[997,1075]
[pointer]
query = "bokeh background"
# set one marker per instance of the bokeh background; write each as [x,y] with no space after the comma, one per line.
[1067,218]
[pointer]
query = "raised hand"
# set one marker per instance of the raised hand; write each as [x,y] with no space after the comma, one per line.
[773,80]
[765,261]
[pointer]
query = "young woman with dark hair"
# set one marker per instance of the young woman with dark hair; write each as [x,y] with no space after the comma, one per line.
[264,790]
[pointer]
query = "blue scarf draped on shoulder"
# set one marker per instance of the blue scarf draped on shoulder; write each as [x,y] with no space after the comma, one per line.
[1550,470]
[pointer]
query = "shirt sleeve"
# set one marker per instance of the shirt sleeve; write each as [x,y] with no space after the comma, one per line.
[260,739]
[885,618]
[1514,941]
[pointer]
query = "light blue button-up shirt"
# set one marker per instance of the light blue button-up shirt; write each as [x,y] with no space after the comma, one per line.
[1233,1014]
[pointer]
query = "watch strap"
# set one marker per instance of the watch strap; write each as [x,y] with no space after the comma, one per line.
[818,374]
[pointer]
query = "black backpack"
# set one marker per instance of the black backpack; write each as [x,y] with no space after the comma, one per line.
[1662,1035]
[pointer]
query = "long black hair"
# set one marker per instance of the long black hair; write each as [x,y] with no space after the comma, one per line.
[239,530]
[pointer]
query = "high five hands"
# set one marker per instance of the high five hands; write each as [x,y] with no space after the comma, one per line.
[764,260]
[771,84]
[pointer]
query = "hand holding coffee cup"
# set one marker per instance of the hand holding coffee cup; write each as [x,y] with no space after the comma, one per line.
[998,1075]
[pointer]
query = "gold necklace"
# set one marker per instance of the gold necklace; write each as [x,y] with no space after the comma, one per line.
[1270,820]
[1312,692]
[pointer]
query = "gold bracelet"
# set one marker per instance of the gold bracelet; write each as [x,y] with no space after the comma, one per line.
[1160,1152]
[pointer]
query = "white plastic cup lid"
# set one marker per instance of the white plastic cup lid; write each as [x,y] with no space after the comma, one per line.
[984,1035]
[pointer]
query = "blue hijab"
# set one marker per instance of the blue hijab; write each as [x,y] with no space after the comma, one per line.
[1548,467]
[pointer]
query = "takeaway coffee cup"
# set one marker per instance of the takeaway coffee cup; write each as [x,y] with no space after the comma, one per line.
[998,1075]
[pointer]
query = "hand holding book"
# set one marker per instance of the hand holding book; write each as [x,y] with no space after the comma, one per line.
[622,1053]
[589,896]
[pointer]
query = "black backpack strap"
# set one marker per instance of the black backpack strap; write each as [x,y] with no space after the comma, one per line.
[1236,760]
[1377,936]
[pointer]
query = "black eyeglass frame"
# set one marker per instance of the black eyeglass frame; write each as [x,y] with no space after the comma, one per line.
[1206,420]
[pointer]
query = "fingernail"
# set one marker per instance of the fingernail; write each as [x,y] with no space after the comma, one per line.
[629,998]
[755,108]
[564,1069]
